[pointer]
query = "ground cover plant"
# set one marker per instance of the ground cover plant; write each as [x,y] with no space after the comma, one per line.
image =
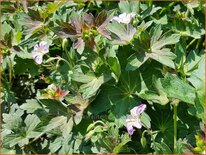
[102,77]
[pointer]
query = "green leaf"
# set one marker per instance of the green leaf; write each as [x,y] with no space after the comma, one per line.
[25,66]
[59,122]
[163,148]
[8,151]
[192,61]
[124,140]
[149,11]
[152,46]
[12,121]
[31,105]
[191,28]
[5,29]
[79,76]
[129,7]
[162,121]
[177,88]
[115,67]
[17,38]
[71,144]
[158,43]
[31,122]
[142,27]
[54,123]
[66,128]
[136,60]
[121,34]
[90,89]
[152,96]
[120,96]
[151,87]
[163,56]
[180,49]
[124,94]
[55,106]
[53,7]
[163,20]
[145,120]
[12,140]
[55,145]
[197,79]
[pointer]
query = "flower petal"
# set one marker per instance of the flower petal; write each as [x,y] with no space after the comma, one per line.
[45,50]
[117,19]
[130,129]
[43,47]
[62,93]
[137,124]
[42,44]
[52,87]
[36,47]
[136,111]
[38,59]
[34,54]
[123,15]
[124,18]
[132,121]
[132,15]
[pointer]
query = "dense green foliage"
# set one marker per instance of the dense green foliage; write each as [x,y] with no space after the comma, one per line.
[72,71]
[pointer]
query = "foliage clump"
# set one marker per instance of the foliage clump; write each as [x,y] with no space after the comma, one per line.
[102,77]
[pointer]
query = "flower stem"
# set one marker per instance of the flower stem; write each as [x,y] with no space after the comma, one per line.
[64,61]
[175,126]
[190,43]
[10,71]
[150,132]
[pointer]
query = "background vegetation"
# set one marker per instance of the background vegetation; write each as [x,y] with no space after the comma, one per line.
[73,70]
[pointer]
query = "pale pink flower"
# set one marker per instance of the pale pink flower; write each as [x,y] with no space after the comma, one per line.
[39,51]
[124,18]
[133,120]
[54,92]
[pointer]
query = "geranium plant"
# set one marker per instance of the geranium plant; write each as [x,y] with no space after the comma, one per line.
[80,77]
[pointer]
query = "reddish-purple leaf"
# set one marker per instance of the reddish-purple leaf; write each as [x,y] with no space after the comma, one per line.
[89,19]
[76,21]
[100,19]
[65,30]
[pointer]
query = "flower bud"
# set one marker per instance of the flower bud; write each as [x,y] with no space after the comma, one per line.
[64,43]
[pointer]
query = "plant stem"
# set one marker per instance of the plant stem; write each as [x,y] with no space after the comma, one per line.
[32,149]
[190,43]
[198,43]
[175,126]
[10,71]
[69,59]
[150,132]
[70,66]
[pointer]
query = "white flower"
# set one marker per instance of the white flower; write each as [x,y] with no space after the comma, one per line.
[39,51]
[133,120]
[124,18]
